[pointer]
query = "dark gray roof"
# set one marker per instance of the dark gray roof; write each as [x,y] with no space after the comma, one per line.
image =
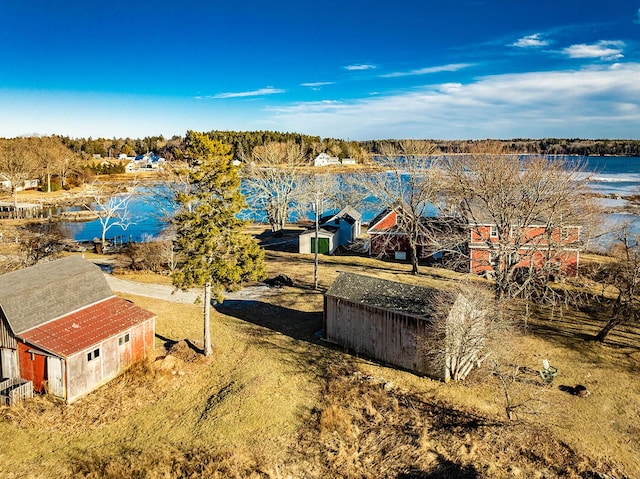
[326,229]
[348,213]
[478,214]
[382,293]
[36,295]
[351,212]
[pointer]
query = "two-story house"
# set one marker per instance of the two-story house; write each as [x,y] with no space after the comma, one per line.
[538,244]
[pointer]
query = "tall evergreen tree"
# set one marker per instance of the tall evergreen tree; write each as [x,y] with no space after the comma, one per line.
[215,252]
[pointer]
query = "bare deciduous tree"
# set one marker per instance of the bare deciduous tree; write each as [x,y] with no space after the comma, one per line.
[111,204]
[53,158]
[41,241]
[152,255]
[464,329]
[623,273]
[532,204]
[522,391]
[409,180]
[17,163]
[272,180]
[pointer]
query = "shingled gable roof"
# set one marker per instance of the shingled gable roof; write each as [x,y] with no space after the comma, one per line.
[349,213]
[382,293]
[478,214]
[34,296]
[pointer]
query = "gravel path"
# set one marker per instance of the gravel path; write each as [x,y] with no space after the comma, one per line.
[158,291]
[169,293]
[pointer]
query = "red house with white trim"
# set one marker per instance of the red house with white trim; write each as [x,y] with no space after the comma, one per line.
[537,245]
[63,329]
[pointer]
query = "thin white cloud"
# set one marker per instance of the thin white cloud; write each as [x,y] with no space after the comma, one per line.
[604,49]
[317,84]
[243,94]
[360,67]
[531,41]
[588,103]
[637,19]
[453,67]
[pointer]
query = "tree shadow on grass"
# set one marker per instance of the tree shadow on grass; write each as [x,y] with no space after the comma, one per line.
[578,333]
[170,343]
[296,324]
[444,469]
[292,335]
[579,329]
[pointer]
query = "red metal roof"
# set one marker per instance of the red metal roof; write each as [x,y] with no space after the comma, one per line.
[78,331]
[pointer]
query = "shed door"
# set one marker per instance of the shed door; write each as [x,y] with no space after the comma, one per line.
[9,363]
[323,245]
[54,376]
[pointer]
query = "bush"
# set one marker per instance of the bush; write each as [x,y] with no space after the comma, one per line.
[55,186]
[152,256]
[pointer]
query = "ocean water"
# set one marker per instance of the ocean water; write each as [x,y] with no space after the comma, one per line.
[147,220]
[617,177]
[613,175]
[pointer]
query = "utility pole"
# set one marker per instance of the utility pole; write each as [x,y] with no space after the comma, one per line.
[316,207]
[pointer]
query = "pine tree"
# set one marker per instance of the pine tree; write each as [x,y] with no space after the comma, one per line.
[215,252]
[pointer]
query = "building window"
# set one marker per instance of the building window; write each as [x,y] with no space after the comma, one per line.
[93,354]
[493,232]
[123,339]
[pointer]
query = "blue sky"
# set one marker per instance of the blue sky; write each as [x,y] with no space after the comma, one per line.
[351,69]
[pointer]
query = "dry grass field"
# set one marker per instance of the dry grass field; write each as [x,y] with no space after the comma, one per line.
[276,402]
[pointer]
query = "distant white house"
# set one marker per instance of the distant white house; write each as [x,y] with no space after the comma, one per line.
[348,161]
[145,163]
[324,159]
[5,184]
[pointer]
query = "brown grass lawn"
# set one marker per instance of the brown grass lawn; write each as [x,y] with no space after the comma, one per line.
[276,402]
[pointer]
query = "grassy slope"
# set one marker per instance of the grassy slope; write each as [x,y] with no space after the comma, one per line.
[274,402]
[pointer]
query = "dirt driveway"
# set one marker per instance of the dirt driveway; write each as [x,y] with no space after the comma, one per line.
[169,293]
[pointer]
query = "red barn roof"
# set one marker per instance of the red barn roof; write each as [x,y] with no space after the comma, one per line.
[82,329]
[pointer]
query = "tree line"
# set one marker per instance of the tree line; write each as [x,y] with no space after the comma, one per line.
[542,146]
[243,142]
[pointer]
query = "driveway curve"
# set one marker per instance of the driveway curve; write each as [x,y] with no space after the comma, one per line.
[157,291]
[191,296]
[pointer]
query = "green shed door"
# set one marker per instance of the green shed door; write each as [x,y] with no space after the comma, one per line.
[323,245]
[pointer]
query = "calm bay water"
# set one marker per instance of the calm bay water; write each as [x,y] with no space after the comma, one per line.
[618,176]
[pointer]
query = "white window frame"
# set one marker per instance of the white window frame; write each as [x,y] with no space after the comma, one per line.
[95,354]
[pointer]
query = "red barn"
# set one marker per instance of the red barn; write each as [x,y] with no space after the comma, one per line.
[387,238]
[63,329]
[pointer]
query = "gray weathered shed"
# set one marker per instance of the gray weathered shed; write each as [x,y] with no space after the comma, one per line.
[379,318]
[63,329]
